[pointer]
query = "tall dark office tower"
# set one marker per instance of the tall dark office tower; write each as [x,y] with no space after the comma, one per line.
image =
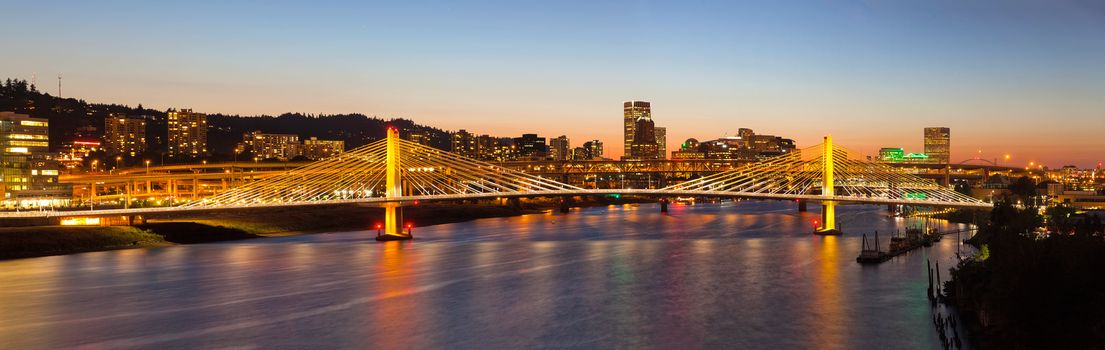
[938,144]
[633,110]
[644,141]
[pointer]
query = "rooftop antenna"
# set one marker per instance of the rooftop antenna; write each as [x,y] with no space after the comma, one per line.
[59,84]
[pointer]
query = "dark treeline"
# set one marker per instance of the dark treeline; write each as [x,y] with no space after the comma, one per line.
[1029,290]
[68,115]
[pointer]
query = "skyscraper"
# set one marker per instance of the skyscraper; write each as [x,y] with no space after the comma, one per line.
[633,110]
[124,136]
[559,148]
[187,134]
[661,142]
[938,145]
[644,145]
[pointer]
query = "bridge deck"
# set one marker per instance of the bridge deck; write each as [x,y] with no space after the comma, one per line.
[431,198]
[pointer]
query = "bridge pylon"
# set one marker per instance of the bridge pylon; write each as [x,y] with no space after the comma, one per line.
[393,211]
[828,189]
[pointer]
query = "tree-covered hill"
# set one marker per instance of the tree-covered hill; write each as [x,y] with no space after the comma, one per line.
[69,116]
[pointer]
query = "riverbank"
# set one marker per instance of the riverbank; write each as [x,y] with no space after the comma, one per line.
[26,242]
[1024,292]
[215,226]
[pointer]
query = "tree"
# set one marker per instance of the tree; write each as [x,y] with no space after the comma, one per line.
[1024,189]
[1061,218]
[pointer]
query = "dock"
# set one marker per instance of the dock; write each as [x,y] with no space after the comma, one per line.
[913,239]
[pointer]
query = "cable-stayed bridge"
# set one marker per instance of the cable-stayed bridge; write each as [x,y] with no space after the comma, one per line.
[394,172]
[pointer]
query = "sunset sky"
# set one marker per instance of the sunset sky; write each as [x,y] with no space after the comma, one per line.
[1025,78]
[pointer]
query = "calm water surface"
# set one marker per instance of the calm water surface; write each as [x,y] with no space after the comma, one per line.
[730,275]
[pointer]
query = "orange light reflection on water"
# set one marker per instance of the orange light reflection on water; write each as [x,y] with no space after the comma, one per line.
[828,299]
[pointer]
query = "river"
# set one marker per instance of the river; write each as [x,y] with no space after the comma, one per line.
[728,275]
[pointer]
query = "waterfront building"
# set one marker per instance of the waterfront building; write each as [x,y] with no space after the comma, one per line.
[315,149]
[28,175]
[187,134]
[124,136]
[938,145]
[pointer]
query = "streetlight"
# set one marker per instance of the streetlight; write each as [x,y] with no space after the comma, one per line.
[147,166]
[117,160]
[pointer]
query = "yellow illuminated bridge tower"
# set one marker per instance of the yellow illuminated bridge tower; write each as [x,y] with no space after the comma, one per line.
[828,190]
[393,212]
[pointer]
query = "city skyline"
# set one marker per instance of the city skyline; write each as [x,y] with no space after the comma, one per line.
[1021,78]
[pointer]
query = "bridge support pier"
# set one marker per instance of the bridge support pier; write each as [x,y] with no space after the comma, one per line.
[393,224]
[664,205]
[393,213]
[802,206]
[566,204]
[828,220]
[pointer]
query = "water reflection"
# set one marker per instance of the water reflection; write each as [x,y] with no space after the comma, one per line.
[828,298]
[744,275]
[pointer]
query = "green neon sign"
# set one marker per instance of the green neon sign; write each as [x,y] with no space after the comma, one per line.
[915,195]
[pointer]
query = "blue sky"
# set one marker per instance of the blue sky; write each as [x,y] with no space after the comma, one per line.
[1020,77]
